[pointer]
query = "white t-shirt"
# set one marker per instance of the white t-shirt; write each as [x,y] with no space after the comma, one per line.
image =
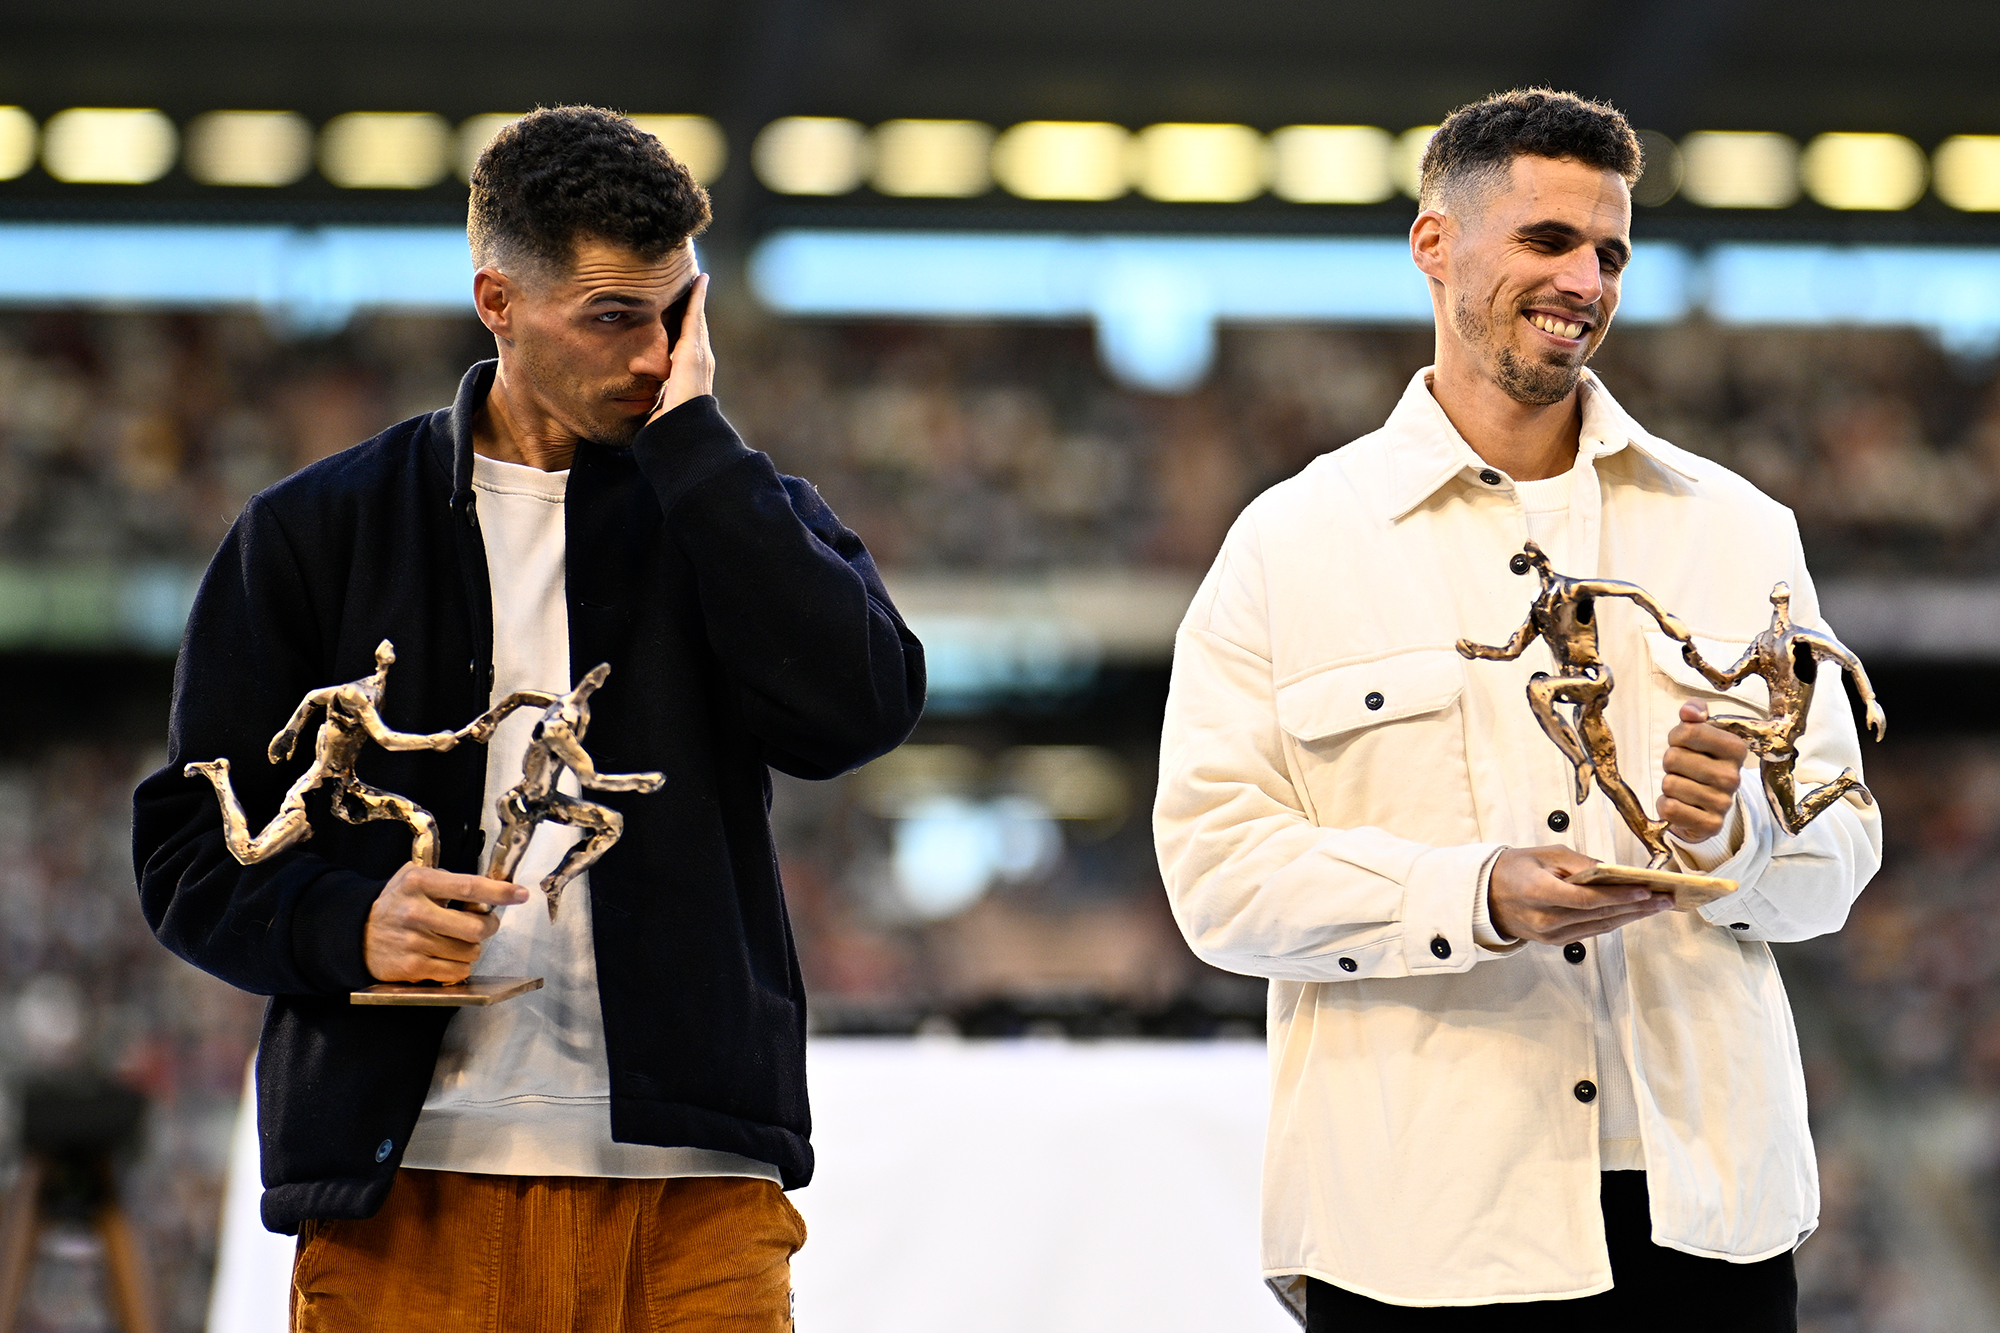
[523,1087]
[1547,504]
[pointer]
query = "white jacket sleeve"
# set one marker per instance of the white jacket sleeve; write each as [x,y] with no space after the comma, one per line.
[1255,885]
[1797,887]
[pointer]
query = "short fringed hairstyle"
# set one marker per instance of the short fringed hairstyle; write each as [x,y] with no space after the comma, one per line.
[1483,138]
[563,173]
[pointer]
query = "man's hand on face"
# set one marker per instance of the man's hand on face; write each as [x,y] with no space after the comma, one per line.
[1704,767]
[413,936]
[693,360]
[1528,898]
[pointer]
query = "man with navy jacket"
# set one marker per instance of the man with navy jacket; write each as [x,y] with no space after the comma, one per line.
[611,1151]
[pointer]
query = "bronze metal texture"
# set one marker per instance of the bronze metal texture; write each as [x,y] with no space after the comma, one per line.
[476,993]
[353,716]
[1564,616]
[1690,891]
[1788,659]
[557,745]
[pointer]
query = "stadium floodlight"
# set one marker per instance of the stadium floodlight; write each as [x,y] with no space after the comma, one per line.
[822,155]
[96,145]
[249,148]
[1331,164]
[1740,169]
[1200,164]
[1880,172]
[1406,163]
[937,159]
[1064,159]
[18,136]
[696,141]
[1967,172]
[385,150]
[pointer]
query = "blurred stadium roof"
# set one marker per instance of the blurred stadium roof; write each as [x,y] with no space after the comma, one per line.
[1921,69]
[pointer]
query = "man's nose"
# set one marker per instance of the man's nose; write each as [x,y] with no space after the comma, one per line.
[655,359]
[1580,277]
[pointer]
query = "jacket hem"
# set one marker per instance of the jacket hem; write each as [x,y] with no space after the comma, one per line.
[1275,1276]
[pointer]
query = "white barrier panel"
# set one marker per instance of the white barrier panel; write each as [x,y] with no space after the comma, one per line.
[981,1187]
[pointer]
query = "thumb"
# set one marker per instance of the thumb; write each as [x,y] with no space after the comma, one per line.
[1694,710]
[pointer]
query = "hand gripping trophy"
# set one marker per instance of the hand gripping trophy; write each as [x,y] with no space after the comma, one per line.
[353,716]
[1788,659]
[1564,615]
[557,744]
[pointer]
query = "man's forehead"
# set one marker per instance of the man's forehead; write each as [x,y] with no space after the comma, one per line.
[1590,198]
[598,264]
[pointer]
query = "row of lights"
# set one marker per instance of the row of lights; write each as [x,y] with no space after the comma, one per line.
[380,150]
[1335,164]
[1037,159]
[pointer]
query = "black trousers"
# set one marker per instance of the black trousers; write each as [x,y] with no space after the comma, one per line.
[1654,1287]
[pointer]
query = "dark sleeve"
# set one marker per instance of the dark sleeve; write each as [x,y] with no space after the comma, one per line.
[829,675]
[291,924]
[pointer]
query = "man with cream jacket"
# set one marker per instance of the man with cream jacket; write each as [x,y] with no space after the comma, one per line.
[1500,1098]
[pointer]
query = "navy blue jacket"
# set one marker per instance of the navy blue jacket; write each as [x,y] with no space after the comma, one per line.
[745,627]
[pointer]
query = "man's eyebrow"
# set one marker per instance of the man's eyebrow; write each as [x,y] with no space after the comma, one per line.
[619,298]
[1569,232]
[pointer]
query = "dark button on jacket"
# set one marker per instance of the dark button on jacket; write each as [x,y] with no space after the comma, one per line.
[1520,564]
[1348,965]
[1441,946]
[1586,1091]
[1574,952]
[1490,477]
[1558,820]
[1374,701]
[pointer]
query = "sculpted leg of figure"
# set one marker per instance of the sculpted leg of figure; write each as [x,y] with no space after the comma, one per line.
[378,804]
[1819,798]
[1652,832]
[605,826]
[1543,696]
[517,830]
[288,826]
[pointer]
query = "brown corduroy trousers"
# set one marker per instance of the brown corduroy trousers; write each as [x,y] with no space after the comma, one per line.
[553,1254]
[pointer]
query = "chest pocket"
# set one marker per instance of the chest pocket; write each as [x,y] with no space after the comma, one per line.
[1672,673]
[1381,744]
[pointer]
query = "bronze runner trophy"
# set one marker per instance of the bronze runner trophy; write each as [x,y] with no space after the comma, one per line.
[1788,659]
[353,717]
[1564,616]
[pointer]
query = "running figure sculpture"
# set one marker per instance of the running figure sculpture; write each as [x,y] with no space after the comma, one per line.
[557,744]
[353,717]
[1788,659]
[1564,614]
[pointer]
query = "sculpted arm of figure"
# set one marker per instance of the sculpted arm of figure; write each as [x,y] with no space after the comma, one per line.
[287,738]
[1506,652]
[1878,721]
[481,728]
[1722,680]
[379,732]
[1670,624]
[564,746]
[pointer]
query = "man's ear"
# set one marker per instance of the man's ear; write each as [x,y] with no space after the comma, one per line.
[1430,243]
[493,296]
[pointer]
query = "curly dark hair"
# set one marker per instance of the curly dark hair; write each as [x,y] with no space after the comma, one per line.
[564,172]
[1480,140]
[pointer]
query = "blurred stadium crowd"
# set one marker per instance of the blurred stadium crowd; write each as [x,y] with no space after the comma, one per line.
[981,448]
[132,438]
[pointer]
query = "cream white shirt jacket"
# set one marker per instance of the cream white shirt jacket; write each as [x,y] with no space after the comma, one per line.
[1334,780]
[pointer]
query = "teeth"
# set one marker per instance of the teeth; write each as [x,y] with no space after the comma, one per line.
[1562,328]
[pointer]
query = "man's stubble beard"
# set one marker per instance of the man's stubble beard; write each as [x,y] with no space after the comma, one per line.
[577,402]
[1535,384]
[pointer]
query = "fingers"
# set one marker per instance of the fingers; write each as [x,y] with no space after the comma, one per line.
[695,323]
[1604,925]
[412,935]
[1700,736]
[445,886]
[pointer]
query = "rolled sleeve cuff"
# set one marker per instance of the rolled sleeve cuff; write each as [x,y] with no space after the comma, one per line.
[1439,902]
[1489,940]
[1744,912]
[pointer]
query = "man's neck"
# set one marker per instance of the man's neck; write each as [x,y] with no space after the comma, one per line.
[1527,442]
[512,428]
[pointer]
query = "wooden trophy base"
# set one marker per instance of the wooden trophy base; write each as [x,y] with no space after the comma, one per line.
[1690,891]
[466,994]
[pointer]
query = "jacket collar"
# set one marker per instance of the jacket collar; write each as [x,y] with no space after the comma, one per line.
[451,430]
[1426,451]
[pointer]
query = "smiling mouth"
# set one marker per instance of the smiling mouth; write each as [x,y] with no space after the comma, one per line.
[1556,327]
